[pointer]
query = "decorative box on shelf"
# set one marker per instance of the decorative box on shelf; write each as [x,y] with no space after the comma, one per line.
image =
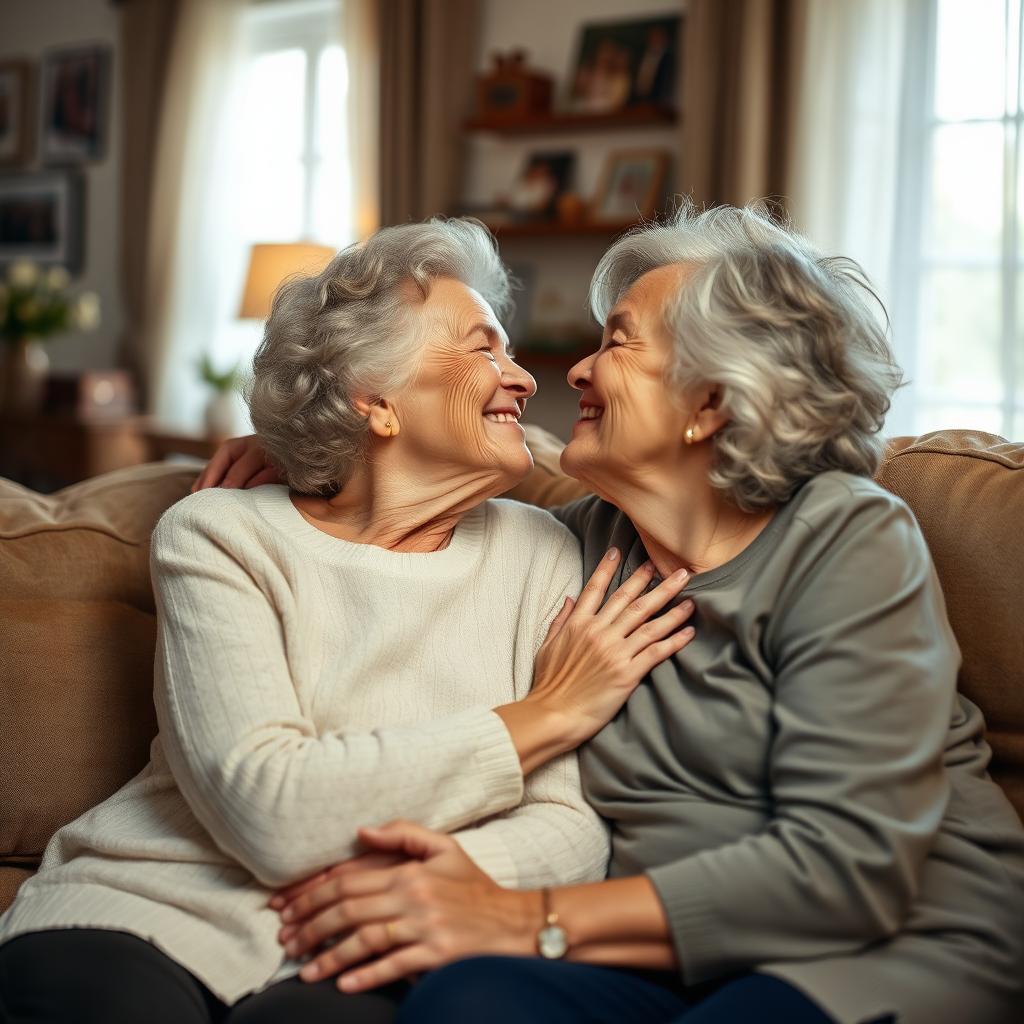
[511,91]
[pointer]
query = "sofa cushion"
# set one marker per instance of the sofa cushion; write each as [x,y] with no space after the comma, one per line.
[11,878]
[76,661]
[967,491]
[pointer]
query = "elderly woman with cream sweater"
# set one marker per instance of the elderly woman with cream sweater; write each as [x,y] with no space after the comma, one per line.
[354,647]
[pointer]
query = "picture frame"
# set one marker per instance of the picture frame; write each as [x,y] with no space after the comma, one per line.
[75,101]
[544,178]
[41,218]
[16,134]
[625,64]
[631,186]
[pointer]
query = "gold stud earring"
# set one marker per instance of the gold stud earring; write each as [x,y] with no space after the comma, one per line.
[689,435]
[388,425]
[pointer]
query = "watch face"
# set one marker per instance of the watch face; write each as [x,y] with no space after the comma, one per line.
[551,942]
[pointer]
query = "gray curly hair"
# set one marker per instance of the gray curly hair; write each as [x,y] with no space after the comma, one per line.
[788,334]
[348,332]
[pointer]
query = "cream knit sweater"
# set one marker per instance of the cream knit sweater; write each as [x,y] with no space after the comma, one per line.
[305,686]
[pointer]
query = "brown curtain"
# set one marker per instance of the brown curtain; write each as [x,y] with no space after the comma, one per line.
[427,68]
[740,66]
[146,27]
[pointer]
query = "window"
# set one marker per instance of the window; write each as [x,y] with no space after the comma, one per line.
[290,145]
[958,290]
[293,125]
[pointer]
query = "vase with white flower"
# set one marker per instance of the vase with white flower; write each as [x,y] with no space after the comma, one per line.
[222,408]
[35,304]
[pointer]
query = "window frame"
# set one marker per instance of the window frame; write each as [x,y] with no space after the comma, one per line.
[911,262]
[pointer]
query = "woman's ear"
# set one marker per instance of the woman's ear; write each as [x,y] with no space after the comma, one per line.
[381,416]
[710,417]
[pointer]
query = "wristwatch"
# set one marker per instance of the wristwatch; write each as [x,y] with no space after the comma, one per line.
[552,942]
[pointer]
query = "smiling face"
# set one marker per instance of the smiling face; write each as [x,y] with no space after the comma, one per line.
[631,423]
[461,411]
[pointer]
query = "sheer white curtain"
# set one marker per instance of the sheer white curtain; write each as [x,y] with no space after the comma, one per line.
[847,162]
[192,208]
[908,157]
[268,134]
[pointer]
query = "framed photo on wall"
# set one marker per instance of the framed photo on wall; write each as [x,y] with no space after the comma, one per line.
[15,112]
[41,218]
[75,89]
[622,64]
[631,185]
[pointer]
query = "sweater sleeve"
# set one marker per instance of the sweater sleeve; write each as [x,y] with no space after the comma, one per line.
[553,837]
[865,673]
[274,793]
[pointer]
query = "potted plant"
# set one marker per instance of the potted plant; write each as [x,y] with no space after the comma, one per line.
[35,304]
[221,408]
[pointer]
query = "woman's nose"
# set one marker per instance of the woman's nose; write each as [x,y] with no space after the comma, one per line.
[579,375]
[516,379]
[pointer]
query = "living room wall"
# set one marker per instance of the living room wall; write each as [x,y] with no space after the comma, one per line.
[28,30]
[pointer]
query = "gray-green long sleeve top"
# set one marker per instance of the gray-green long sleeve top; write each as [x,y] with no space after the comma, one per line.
[804,786]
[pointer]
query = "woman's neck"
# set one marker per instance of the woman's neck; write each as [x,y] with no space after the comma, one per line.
[396,510]
[685,523]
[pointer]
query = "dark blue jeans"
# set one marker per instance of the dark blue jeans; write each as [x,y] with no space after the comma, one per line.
[513,990]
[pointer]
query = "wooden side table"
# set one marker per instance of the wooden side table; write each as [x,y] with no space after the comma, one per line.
[47,452]
[167,441]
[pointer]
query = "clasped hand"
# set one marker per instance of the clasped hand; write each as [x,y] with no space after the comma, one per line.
[414,902]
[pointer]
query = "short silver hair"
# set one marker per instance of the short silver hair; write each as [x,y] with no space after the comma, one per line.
[794,339]
[347,332]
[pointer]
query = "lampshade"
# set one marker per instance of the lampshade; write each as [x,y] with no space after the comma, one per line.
[270,264]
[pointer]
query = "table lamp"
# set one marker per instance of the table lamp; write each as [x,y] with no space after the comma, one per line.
[272,263]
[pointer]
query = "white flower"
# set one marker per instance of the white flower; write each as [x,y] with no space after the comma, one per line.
[57,279]
[85,313]
[23,274]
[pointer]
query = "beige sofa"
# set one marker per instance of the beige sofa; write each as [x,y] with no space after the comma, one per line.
[77,623]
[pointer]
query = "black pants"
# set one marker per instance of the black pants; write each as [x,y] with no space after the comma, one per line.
[97,976]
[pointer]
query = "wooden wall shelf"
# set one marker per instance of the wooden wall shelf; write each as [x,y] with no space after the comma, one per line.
[556,359]
[548,229]
[540,124]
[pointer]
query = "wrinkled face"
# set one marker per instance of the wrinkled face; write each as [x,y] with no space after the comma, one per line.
[630,424]
[461,411]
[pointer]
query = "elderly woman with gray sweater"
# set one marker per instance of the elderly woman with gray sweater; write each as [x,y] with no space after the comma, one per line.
[802,825]
[352,648]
